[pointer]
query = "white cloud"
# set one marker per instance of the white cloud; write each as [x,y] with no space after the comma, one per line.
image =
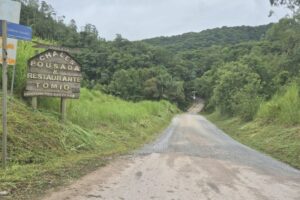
[139,19]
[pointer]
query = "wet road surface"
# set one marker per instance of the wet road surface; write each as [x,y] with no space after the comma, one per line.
[192,160]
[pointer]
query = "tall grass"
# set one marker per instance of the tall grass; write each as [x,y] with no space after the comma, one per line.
[25,51]
[94,109]
[283,108]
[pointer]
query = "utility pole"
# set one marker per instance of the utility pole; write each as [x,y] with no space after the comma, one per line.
[4,91]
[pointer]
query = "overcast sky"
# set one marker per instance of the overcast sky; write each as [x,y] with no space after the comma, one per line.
[140,19]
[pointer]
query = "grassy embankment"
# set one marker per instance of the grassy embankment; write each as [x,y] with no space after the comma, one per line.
[43,153]
[275,129]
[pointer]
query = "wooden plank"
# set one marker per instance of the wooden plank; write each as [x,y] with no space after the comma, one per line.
[74,91]
[33,93]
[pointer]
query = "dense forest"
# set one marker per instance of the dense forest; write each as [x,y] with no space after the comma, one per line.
[235,69]
[207,38]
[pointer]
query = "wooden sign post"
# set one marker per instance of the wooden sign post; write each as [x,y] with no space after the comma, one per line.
[53,73]
[63,109]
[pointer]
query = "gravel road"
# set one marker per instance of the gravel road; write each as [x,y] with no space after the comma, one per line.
[192,160]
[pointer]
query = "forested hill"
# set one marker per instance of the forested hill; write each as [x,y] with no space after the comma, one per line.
[234,69]
[207,38]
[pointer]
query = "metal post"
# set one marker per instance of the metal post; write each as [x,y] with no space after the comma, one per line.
[63,109]
[13,80]
[4,91]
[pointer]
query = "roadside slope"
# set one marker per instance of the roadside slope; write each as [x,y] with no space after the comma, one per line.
[44,153]
[279,141]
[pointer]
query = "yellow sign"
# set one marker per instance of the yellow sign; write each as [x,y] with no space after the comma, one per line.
[10,11]
[11,51]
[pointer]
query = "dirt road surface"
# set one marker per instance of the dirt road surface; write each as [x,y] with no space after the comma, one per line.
[192,160]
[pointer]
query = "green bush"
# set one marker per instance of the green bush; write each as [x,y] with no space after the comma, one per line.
[247,105]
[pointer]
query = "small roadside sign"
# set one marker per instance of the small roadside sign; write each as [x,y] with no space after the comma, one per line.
[17,31]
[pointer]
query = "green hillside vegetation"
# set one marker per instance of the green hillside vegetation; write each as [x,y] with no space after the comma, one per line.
[252,73]
[278,141]
[255,96]
[275,130]
[247,65]
[218,36]
[138,70]
[283,108]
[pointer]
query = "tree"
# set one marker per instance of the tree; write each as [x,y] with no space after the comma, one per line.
[292,4]
[91,29]
[33,4]
[46,9]
[151,90]
[119,41]
[236,85]
[72,25]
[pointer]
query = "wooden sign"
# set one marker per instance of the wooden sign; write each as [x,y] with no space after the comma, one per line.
[53,73]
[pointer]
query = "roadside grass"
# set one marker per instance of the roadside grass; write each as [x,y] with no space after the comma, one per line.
[283,108]
[279,141]
[43,153]
[32,180]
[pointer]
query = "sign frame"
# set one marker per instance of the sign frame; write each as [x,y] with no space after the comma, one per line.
[17,31]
